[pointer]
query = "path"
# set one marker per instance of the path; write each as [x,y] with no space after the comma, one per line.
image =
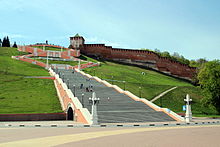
[99,137]
[162,94]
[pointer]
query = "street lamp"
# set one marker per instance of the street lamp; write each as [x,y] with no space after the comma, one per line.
[140,92]
[74,90]
[83,100]
[63,77]
[112,80]
[67,83]
[124,84]
[142,77]
[94,72]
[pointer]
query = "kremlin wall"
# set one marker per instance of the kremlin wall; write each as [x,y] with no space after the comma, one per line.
[147,59]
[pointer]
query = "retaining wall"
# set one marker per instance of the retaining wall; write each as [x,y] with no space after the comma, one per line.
[33,117]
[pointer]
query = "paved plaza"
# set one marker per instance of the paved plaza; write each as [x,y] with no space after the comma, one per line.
[202,136]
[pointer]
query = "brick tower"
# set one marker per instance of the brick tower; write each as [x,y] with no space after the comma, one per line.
[76,41]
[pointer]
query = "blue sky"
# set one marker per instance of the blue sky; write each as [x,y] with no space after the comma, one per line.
[189,27]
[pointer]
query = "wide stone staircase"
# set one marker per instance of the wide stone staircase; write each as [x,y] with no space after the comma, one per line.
[113,107]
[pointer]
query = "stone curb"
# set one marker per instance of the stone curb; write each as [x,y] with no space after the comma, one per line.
[110,125]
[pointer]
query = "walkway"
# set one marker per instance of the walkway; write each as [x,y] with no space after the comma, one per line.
[189,136]
[114,107]
[162,94]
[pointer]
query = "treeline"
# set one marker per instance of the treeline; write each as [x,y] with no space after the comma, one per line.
[179,58]
[6,42]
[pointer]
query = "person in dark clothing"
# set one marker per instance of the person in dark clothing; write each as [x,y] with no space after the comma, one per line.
[81,86]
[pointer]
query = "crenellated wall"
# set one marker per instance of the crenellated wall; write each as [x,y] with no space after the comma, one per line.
[140,57]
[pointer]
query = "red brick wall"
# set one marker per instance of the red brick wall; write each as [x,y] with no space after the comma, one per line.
[161,63]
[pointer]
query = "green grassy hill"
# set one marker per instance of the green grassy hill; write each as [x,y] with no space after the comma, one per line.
[24,95]
[49,48]
[150,85]
[72,63]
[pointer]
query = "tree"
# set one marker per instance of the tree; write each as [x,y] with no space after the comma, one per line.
[157,50]
[209,79]
[201,61]
[165,54]
[6,42]
[15,45]
[176,55]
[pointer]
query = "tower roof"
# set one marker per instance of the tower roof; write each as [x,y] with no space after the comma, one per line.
[77,35]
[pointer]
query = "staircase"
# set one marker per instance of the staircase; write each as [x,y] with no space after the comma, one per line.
[113,107]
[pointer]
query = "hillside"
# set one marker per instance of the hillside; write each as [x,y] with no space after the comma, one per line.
[19,94]
[150,85]
[49,48]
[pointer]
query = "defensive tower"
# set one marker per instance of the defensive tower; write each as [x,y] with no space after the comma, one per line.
[76,41]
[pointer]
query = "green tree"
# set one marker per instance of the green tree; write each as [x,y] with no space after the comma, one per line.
[165,54]
[209,79]
[15,45]
[6,42]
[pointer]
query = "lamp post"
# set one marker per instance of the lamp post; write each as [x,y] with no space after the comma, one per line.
[47,66]
[63,77]
[94,72]
[74,90]
[112,80]
[142,77]
[67,83]
[94,101]
[79,65]
[124,85]
[140,92]
[83,100]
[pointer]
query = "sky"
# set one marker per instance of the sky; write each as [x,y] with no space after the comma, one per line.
[188,27]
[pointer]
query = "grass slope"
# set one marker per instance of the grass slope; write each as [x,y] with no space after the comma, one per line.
[152,84]
[174,101]
[24,95]
[72,63]
[49,48]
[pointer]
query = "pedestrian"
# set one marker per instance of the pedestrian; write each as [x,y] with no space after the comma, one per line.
[81,86]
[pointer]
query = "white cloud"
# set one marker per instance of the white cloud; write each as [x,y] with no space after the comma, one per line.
[11,35]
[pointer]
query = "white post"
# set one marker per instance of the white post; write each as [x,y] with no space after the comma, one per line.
[47,66]
[43,47]
[94,101]
[79,65]
[188,116]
